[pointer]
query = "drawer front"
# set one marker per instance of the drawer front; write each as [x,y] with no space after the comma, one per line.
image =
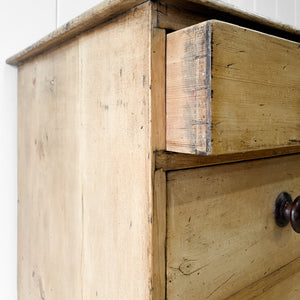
[222,240]
[230,90]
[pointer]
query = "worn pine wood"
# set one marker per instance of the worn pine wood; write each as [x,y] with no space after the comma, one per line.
[221,235]
[85,166]
[286,279]
[50,217]
[157,85]
[91,118]
[230,89]
[169,161]
[157,140]
[188,116]
[115,70]
[159,236]
[290,286]
[174,18]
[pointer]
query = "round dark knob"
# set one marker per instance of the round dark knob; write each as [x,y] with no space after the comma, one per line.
[285,211]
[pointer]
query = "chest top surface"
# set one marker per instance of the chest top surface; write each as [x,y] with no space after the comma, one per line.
[109,9]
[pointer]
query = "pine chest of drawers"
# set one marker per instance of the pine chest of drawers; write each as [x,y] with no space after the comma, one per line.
[153,141]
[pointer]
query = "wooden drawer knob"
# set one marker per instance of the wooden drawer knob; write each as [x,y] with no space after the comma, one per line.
[285,211]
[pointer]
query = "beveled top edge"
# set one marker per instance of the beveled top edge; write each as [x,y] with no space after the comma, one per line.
[111,8]
[89,19]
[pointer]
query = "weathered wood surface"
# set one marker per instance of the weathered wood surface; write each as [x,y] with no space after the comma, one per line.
[159,236]
[281,284]
[166,19]
[157,126]
[188,116]
[157,86]
[86,166]
[50,215]
[230,89]
[169,161]
[174,18]
[221,235]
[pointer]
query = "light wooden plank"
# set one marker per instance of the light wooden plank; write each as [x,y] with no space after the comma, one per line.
[18,21]
[221,234]
[86,165]
[49,177]
[158,141]
[174,18]
[290,286]
[230,89]
[158,86]
[188,83]
[117,172]
[169,161]
[159,236]
[282,283]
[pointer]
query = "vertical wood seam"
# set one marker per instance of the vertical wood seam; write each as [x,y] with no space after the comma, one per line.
[209,42]
[157,79]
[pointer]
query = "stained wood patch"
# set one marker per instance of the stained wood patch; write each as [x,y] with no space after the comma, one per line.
[231,89]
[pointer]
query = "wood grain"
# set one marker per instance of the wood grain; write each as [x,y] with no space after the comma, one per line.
[188,106]
[231,89]
[169,161]
[115,112]
[50,218]
[158,141]
[158,85]
[221,235]
[174,18]
[85,166]
[159,236]
[282,283]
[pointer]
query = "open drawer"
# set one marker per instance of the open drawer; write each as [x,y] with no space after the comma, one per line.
[231,90]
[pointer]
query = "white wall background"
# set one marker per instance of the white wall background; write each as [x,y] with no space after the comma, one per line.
[283,11]
[23,22]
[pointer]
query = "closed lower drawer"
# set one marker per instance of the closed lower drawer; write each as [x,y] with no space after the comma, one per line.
[231,89]
[222,240]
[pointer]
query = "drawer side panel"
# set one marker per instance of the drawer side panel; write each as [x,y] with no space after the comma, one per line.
[249,100]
